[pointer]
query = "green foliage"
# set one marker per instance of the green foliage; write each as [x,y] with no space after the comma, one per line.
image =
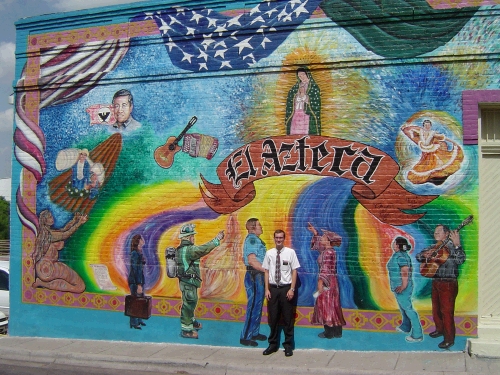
[4,219]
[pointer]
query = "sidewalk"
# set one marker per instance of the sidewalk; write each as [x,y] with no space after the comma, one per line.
[196,359]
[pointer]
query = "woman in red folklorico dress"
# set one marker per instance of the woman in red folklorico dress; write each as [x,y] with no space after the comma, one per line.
[327,309]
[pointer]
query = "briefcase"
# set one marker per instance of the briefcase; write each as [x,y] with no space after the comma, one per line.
[138,306]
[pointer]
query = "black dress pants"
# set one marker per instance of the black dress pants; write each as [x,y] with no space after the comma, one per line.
[276,306]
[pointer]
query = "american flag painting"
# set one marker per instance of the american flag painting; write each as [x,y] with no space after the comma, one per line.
[204,40]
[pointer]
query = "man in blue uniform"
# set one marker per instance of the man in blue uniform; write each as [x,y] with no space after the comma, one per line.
[254,251]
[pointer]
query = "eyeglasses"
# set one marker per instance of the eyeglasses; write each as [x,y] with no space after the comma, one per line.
[123,106]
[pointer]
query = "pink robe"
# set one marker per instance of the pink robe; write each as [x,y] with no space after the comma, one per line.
[300,119]
[327,309]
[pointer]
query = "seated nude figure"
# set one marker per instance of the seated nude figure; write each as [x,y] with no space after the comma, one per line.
[49,272]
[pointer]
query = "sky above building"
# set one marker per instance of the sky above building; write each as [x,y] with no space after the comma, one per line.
[10,12]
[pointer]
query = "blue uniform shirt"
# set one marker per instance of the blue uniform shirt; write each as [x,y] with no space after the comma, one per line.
[254,245]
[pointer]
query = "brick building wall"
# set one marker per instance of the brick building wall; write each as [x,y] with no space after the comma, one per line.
[307,113]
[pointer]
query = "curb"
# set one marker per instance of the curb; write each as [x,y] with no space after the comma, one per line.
[146,364]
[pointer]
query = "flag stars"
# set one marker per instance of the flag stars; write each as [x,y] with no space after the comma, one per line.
[187,57]
[257,19]
[212,22]
[196,17]
[282,14]
[207,40]
[233,35]
[227,45]
[170,44]
[203,55]
[173,20]
[296,2]
[249,56]
[300,9]
[220,53]
[220,30]
[264,41]
[243,44]
[180,10]
[234,21]
[261,29]
[270,12]
[220,44]
[164,28]
[255,10]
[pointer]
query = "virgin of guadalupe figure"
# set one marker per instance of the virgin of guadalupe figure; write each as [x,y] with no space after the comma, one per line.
[327,308]
[50,273]
[303,105]
[441,157]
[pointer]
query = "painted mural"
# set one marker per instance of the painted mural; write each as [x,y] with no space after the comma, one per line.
[158,156]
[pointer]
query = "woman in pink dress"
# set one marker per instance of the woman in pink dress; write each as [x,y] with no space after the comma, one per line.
[327,309]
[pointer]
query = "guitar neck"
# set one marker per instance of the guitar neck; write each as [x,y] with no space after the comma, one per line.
[465,222]
[188,126]
[448,239]
[461,226]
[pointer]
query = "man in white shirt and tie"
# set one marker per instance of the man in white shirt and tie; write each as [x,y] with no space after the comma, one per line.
[280,265]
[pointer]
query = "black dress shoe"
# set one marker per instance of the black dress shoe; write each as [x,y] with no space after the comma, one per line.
[136,327]
[435,334]
[323,335]
[288,352]
[259,337]
[248,342]
[270,350]
[142,324]
[337,331]
[446,345]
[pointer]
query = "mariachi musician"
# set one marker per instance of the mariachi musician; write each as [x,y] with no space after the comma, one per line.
[448,253]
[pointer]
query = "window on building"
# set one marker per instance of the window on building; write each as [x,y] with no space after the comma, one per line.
[490,130]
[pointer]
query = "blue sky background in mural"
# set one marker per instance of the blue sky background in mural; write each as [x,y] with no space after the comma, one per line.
[164,108]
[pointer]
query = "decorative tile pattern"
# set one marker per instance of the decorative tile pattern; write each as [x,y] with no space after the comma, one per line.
[364,320]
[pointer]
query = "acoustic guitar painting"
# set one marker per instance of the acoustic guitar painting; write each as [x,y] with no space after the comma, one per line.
[164,155]
[440,253]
